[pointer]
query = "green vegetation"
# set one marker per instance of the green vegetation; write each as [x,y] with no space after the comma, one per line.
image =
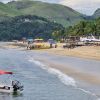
[53,12]
[97,13]
[85,28]
[6,10]
[21,19]
[28,26]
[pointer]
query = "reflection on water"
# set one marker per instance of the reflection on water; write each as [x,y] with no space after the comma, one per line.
[17,94]
[10,96]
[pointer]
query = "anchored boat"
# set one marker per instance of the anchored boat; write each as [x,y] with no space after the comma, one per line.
[14,87]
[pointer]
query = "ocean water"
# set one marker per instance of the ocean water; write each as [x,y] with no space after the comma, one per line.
[40,82]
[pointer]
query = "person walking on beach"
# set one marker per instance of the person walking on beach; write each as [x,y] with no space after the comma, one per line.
[28,46]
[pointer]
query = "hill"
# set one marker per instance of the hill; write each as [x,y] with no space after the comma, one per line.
[54,12]
[85,28]
[27,26]
[6,10]
[97,13]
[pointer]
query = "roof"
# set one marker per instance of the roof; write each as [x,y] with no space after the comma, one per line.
[38,39]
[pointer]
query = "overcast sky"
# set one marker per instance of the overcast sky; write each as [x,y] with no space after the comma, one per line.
[84,6]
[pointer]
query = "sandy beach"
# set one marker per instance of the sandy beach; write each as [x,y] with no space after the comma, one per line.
[77,73]
[88,78]
[54,77]
[90,52]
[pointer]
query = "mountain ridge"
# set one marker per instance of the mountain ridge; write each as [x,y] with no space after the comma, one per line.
[97,13]
[54,12]
[28,26]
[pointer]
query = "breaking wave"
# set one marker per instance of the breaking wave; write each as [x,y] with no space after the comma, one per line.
[65,79]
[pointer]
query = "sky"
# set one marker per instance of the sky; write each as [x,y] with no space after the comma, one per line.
[83,6]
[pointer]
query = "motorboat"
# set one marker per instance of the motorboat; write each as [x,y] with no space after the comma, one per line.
[89,39]
[14,87]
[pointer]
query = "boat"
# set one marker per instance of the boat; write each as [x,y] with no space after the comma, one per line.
[14,87]
[89,39]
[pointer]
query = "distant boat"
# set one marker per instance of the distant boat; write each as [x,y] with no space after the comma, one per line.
[14,87]
[90,39]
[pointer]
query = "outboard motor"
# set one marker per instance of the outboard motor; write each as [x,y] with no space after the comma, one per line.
[17,86]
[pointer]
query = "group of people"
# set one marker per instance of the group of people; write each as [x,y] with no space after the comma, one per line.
[30,45]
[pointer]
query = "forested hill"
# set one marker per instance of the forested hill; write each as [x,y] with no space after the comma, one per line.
[6,10]
[97,13]
[27,26]
[54,12]
[85,28]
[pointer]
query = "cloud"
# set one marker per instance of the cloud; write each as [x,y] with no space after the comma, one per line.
[5,1]
[84,6]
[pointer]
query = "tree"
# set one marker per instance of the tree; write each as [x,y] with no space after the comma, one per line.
[28,26]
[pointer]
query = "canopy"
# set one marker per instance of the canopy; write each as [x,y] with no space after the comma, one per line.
[4,72]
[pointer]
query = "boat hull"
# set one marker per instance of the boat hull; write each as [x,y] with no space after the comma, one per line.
[6,89]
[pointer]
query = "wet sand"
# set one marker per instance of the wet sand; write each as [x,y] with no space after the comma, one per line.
[90,52]
[86,79]
[89,79]
[40,84]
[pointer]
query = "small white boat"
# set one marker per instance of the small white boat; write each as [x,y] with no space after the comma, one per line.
[6,89]
[14,87]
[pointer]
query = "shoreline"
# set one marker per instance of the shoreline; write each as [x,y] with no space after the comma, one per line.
[80,52]
[76,73]
[86,52]
[87,80]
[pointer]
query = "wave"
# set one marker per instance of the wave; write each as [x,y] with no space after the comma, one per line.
[65,79]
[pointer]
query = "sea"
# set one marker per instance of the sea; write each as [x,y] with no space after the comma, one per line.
[40,81]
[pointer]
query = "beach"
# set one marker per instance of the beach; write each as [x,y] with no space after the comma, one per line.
[45,75]
[78,67]
[90,52]
[88,75]
[85,52]
[49,49]
[85,72]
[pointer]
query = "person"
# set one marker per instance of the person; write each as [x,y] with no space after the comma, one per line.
[15,87]
[55,45]
[28,46]
[50,45]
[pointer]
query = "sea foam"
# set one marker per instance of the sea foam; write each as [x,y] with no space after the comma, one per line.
[63,77]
